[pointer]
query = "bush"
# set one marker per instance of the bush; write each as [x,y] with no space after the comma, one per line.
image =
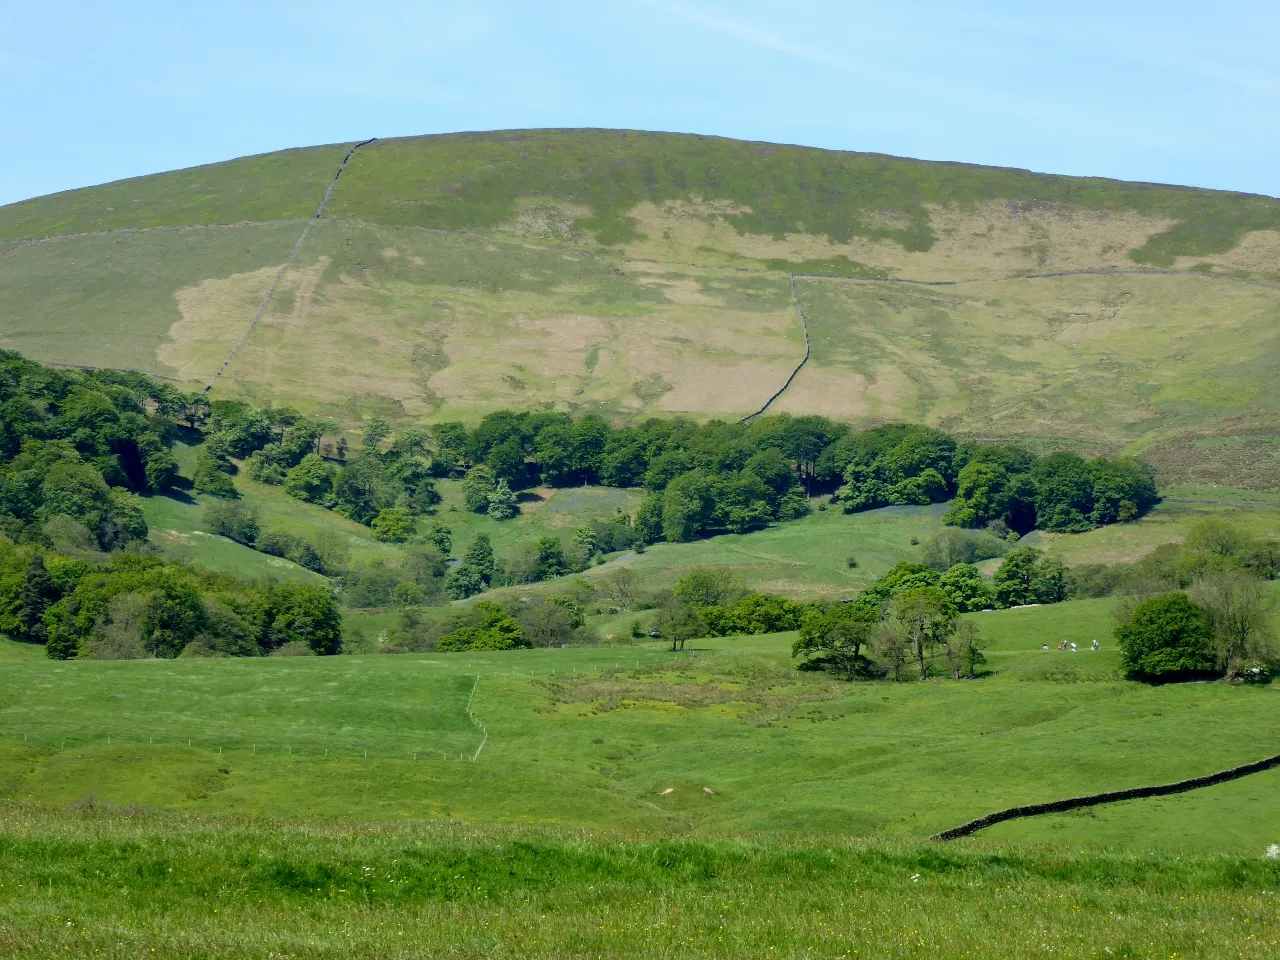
[393,525]
[1166,638]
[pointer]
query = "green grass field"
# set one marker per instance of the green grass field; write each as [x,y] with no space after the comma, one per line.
[627,802]
[89,884]
[633,738]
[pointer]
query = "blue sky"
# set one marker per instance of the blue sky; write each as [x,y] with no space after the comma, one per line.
[1171,92]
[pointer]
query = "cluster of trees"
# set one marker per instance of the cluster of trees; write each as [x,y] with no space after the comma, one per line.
[75,447]
[1196,609]
[135,605]
[517,623]
[719,477]
[385,488]
[902,464]
[700,479]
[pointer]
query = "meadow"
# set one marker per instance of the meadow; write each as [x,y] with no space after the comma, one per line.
[627,802]
[726,738]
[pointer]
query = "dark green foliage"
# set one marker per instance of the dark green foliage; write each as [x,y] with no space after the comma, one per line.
[1060,492]
[301,613]
[1029,576]
[441,536]
[833,640]
[1167,638]
[38,594]
[476,571]
[756,613]
[137,605]
[213,476]
[485,627]
[77,445]
[966,589]
[310,480]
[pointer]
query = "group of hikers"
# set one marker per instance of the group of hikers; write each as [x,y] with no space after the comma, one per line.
[1064,645]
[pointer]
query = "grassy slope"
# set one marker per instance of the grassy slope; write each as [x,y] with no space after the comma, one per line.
[634,273]
[274,186]
[593,737]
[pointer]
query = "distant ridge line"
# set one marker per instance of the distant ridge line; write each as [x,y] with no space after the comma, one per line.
[1113,796]
[297,248]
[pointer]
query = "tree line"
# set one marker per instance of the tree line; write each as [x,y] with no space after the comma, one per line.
[134,605]
[700,478]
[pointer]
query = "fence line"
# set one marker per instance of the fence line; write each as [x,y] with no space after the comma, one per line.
[1113,796]
[297,248]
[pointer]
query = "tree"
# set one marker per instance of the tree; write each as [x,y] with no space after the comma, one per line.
[506,461]
[440,535]
[213,476]
[962,648]
[477,488]
[835,640]
[1239,609]
[1167,638]
[479,556]
[966,589]
[1015,581]
[38,593]
[889,643]
[551,561]
[375,431]
[619,585]
[923,616]
[1064,493]
[708,587]
[503,504]
[393,525]
[679,622]
[462,582]
[1215,536]
[302,613]
[311,480]
[1053,582]
[687,506]
[233,521]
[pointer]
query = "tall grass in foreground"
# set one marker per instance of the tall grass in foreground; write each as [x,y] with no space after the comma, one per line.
[86,883]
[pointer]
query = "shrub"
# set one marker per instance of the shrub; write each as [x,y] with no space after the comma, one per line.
[1166,638]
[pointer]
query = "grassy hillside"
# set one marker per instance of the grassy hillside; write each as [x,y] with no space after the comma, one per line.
[631,273]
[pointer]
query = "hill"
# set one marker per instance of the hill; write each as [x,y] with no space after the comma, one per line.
[635,273]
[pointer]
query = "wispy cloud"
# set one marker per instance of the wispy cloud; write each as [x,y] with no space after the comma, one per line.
[929,85]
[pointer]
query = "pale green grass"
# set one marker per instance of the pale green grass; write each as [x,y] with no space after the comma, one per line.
[177,529]
[110,300]
[802,558]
